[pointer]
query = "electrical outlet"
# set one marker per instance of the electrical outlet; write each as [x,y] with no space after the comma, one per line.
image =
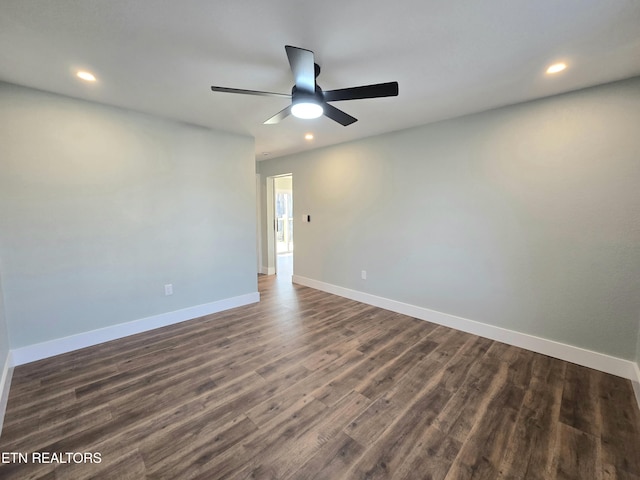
[363,274]
[168,289]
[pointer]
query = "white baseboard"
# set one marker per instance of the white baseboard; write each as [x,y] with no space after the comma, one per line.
[5,383]
[38,351]
[598,361]
[268,270]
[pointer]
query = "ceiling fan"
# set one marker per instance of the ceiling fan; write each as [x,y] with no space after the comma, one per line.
[308,100]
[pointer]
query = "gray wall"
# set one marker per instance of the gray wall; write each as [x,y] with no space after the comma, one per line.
[638,347]
[100,207]
[4,332]
[526,217]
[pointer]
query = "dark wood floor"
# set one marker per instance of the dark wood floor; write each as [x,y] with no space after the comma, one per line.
[308,385]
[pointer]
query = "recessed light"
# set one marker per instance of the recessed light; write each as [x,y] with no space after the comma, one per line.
[556,67]
[266,154]
[308,136]
[86,76]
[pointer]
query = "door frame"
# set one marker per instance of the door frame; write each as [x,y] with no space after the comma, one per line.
[272,246]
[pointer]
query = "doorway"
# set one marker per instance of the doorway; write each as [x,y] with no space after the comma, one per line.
[283,225]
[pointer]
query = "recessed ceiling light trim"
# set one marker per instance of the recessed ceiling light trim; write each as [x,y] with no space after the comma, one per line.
[86,76]
[556,68]
[308,136]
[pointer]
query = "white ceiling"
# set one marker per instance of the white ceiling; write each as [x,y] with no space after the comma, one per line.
[449,57]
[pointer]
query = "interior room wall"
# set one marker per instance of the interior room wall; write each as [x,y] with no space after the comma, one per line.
[4,332]
[523,217]
[102,207]
[5,361]
[638,348]
[636,380]
[259,226]
[284,184]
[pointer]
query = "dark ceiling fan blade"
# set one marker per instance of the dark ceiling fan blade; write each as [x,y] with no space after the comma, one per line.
[303,68]
[389,89]
[339,116]
[249,92]
[278,117]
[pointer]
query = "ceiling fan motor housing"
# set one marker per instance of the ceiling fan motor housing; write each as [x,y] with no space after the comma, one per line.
[306,104]
[301,96]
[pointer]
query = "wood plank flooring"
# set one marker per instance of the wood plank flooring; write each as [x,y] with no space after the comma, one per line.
[307,385]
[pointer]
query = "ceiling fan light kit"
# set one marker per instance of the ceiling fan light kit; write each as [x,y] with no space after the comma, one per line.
[307,110]
[308,100]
